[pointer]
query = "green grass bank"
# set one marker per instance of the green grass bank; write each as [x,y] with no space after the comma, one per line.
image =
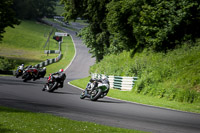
[14,120]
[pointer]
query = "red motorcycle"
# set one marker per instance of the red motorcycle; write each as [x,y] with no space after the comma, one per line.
[33,73]
[29,74]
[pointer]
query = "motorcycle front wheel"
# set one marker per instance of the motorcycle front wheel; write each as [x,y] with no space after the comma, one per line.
[95,94]
[82,96]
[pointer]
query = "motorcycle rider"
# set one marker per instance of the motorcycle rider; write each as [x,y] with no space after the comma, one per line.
[19,71]
[42,72]
[35,72]
[106,83]
[21,67]
[61,76]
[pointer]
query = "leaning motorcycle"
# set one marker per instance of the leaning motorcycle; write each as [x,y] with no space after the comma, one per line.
[52,84]
[18,72]
[29,74]
[97,92]
[41,73]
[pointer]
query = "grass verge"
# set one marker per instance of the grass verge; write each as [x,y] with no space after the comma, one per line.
[144,99]
[13,120]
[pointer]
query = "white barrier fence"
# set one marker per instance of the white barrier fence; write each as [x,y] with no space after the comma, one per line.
[118,82]
[49,61]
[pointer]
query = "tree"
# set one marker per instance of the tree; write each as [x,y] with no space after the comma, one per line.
[95,36]
[34,9]
[7,16]
[117,25]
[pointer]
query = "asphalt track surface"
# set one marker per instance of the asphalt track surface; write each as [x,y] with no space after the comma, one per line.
[65,102]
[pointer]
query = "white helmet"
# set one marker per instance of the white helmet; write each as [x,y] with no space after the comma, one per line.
[44,68]
[104,77]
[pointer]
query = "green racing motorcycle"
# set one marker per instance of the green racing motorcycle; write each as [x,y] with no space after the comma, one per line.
[95,89]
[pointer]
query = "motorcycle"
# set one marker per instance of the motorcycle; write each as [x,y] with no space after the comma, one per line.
[94,93]
[41,73]
[18,72]
[33,73]
[29,74]
[52,83]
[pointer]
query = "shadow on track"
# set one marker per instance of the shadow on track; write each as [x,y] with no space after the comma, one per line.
[105,101]
[68,93]
[31,104]
[18,82]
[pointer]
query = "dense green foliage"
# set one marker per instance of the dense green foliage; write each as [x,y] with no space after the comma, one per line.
[6,64]
[95,36]
[33,9]
[7,16]
[174,75]
[117,25]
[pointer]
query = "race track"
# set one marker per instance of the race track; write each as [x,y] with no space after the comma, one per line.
[65,102]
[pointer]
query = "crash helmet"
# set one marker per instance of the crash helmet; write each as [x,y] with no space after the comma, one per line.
[44,68]
[104,77]
[61,70]
[92,80]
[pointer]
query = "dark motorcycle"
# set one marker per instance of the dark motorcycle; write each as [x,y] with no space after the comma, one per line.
[29,74]
[94,93]
[52,84]
[33,73]
[41,73]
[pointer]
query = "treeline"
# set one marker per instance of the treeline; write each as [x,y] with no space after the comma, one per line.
[12,11]
[33,9]
[117,25]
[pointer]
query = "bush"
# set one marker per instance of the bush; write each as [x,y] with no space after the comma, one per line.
[6,64]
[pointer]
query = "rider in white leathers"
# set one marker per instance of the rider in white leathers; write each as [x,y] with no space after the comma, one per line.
[99,82]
